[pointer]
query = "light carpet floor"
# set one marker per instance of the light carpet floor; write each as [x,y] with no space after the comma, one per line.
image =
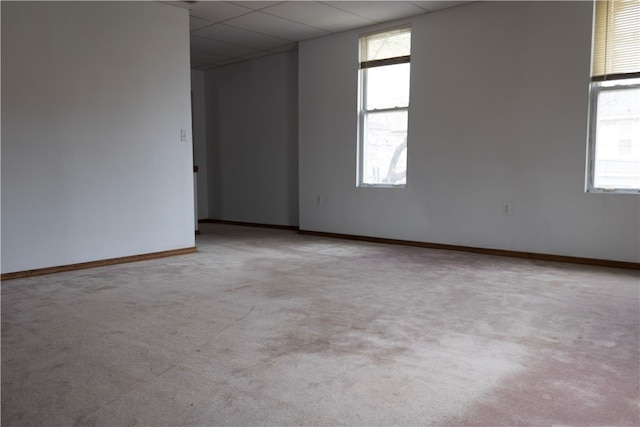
[266,327]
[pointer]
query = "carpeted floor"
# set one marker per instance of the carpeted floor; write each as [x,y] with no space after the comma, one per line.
[268,327]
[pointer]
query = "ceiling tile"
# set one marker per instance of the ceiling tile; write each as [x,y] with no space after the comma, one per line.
[256,55]
[276,27]
[200,44]
[437,5]
[217,11]
[379,11]
[182,4]
[196,23]
[256,5]
[253,29]
[239,36]
[318,15]
[231,61]
[286,48]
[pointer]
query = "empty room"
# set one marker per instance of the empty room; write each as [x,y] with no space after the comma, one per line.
[269,213]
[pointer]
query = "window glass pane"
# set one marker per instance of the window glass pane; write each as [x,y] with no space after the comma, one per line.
[385,148]
[387,86]
[617,151]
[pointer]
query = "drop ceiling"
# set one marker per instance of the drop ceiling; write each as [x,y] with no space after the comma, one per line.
[226,32]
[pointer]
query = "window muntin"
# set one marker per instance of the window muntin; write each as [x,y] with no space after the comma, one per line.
[384,105]
[614,122]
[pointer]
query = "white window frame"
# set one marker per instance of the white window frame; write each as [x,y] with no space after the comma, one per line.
[363,112]
[615,66]
[595,89]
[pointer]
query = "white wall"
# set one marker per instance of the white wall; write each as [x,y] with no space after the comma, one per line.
[252,141]
[200,140]
[498,114]
[94,95]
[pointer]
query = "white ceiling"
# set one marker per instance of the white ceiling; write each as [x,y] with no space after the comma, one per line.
[225,32]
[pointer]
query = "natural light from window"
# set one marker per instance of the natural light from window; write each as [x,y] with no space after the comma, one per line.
[614,92]
[617,154]
[384,108]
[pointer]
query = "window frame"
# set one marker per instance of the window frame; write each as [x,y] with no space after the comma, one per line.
[364,112]
[595,89]
[613,67]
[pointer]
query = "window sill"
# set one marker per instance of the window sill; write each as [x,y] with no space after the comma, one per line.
[612,191]
[381,186]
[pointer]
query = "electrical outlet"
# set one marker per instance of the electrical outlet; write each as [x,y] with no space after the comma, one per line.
[320,200]
[506,209]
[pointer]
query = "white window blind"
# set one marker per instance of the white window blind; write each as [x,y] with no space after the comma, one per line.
[376,48]
[616,39]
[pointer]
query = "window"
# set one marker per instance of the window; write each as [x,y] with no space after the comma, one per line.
[614,122]
[384,108]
